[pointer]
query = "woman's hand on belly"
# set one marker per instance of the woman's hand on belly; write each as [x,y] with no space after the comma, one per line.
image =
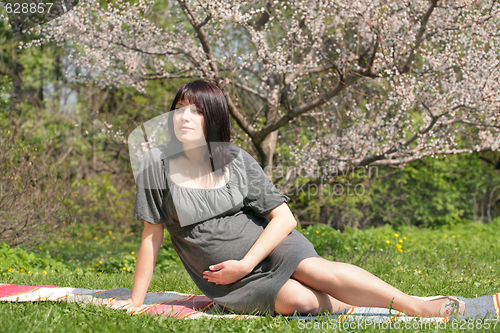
[227,272]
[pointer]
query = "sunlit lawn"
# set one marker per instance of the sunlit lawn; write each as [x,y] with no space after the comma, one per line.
[462,260]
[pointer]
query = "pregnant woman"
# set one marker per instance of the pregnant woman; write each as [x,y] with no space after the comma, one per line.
[233,230]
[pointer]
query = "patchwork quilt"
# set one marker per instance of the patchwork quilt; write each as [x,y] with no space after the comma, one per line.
[188,306]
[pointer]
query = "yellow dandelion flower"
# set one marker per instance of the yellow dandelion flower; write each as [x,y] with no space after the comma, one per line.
[322,234]
[399,246]
[114,237]
[133,258]
[317,231]
[22,269]
[396,235]
[445,236]
[95,238]
[100,261]
[88,265]
[39,248]
[132,253]
[110,232]
[388,241]
[78,241]
[459,235]
[453,236]
[401,241]
[100,272]
[29,272]
[400,250]
[404,238]
[45,272]
[124,268]
[10,269]
[78,269]
[97,265]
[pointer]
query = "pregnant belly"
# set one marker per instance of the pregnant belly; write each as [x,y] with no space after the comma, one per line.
[218,240]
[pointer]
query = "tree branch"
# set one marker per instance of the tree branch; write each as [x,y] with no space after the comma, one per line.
[297,111]
[264,18]
[250,90]
[166,76]
[468,122]
[238,116]
[423,25]
[428,153]
[201,24]
[320,69]
[202,37]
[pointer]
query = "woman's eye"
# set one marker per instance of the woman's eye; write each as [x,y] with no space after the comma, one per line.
[193,110]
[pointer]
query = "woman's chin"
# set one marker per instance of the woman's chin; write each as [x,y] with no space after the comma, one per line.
[195,142]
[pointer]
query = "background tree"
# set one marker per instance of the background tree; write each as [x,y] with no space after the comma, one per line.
[58,165]
[387,82]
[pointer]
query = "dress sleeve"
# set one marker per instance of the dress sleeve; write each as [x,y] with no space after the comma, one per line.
[262,196]
[151,188]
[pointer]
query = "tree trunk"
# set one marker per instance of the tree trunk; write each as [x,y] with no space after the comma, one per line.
[267,146]
[267,152]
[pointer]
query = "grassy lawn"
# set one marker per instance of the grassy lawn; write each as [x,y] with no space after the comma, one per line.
[459,260]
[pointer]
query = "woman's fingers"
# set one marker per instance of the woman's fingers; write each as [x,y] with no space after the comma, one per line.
[217,267]
[124,304]
[216,277]
[226,272]
[213,273]
[210,275]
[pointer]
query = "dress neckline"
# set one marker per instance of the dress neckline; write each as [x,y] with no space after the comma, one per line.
[231,171]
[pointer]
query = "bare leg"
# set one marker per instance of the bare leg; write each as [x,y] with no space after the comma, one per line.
[296,297]
[353,285]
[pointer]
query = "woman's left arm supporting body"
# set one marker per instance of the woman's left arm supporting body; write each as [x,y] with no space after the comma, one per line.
[281,223]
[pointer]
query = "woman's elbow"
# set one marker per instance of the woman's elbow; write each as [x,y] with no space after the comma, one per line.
[154,232]
[283,211]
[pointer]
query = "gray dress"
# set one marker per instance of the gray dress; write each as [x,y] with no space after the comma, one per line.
[228,233]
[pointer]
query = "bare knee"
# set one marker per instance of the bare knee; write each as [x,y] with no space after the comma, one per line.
[295,297]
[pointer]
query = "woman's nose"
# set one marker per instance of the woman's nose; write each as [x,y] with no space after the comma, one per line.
[186,114]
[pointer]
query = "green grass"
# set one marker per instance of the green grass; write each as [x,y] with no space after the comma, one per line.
[458,260]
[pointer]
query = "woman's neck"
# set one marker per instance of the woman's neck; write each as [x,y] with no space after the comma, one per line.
[198,155]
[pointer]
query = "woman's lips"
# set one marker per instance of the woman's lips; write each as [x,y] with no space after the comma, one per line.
[185,128]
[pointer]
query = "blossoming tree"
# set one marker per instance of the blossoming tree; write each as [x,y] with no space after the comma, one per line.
[375,82]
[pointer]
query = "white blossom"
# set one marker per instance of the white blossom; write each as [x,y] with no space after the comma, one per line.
[413,79]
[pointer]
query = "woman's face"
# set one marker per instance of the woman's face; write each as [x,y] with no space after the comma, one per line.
[189,123]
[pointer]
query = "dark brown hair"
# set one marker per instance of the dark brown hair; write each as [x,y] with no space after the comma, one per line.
[211,101]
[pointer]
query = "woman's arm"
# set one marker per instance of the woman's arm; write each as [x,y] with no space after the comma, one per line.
[281,223]
[152,238]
